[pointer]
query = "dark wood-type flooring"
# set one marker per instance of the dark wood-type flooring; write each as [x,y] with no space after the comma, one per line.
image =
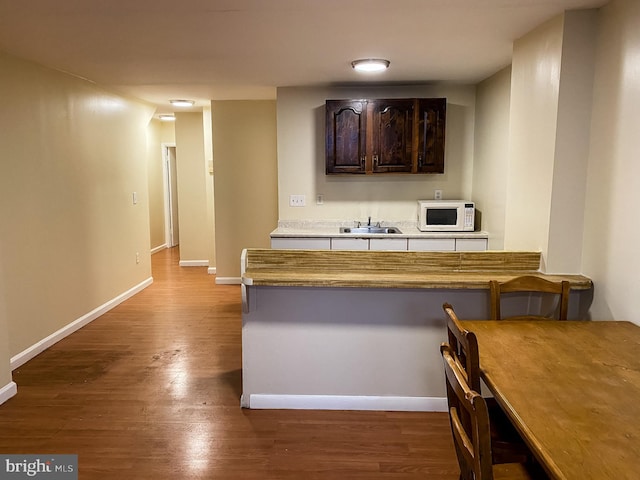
[151,390]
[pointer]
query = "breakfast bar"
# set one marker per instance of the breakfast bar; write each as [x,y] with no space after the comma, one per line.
[329,329]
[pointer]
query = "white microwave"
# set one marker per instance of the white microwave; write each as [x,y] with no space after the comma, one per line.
[446,216]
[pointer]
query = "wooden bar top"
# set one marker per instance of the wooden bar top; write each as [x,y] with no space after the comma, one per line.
[391,269]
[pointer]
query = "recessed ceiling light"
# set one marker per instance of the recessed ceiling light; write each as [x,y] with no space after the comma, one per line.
[167,117]
[182,103]
[370,65]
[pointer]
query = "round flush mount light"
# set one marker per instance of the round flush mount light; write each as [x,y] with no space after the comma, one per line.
[370,65]
[182,103]
[167,117]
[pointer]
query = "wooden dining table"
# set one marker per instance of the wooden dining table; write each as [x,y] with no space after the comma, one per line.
[571,388]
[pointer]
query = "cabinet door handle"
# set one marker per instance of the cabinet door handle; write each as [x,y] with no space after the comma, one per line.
[419,159]
[362,161]
[375,160]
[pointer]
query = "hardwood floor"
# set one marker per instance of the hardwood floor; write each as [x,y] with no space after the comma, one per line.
[151,390]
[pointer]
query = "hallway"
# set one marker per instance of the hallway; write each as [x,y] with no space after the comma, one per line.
[152,390]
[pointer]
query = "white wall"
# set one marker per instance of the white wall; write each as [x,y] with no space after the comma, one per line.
[566,217]
[193,201]
[159,134]
[156,185]
[490,161]
[535,79]
[611,256]
[5,354]
[208,155]
[551,99]
[244,159]
[72,156]
[301,157]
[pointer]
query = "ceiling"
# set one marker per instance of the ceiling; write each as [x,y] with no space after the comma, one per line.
[244,49]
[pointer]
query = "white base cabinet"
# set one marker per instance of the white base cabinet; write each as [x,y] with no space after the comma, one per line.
[387,244]
[349,243]
[309,243]
[382,243]
[471,244]
[432,244]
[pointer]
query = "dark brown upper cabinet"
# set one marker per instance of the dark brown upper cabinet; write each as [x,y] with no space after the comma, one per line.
[391,135]
[385,136]
[431,116]
[346,136]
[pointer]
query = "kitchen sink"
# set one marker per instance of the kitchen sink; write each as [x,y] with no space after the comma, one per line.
[369,229]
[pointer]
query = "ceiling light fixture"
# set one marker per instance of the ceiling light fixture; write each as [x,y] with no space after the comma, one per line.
[167,117]
[370,65]
[182,103]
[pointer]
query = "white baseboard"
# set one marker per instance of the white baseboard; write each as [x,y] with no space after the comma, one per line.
[194,263]
[228,280]
[347,402]
[211,271]
[29,353]
[8,391]
[158,248]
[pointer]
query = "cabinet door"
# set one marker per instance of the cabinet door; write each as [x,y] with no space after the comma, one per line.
[471,244]
[431,127]
[391,135]
[432,244]
[387,244]
[349,243]
[310,243]
[346,124]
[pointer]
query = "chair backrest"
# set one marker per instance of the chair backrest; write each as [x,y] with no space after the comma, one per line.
[472,439]
[530,284]
[464,345]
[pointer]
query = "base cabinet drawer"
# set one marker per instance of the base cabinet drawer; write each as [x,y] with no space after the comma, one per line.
[471,244]
[397,244]
[432,244]
[311,243]
[387,244]
[349,244]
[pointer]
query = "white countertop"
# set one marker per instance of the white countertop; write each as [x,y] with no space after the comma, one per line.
[323,228]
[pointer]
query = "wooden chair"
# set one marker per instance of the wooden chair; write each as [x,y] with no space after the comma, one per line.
[507,445]
[530,284]
[472,439]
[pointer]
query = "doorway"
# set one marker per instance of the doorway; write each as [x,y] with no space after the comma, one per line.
[171,220]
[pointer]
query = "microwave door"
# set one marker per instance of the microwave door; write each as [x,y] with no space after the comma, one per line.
[442,217]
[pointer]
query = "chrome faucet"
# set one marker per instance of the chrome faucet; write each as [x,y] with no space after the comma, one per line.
[358,224]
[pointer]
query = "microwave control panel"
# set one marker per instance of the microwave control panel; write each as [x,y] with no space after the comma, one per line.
[469,214]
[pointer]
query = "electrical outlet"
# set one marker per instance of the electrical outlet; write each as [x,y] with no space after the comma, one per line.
[137,257]
[319,199]
[296,200]
[437,194]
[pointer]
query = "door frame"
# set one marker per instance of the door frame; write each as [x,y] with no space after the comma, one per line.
[168,199]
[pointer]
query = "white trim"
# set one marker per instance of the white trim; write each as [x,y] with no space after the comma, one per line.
[211,271]
[347,402]
[228,280]
[194,263]
[158,248]
[8,391]
[244,294]
[29,353]
[166,190]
